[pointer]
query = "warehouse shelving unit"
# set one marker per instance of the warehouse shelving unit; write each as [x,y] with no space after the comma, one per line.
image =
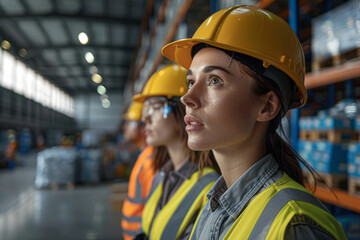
[326,77]
[339,198]
[333,75]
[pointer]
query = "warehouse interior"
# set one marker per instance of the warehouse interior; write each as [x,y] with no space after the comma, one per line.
[69,69]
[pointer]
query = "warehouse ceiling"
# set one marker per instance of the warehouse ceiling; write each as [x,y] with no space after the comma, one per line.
[44,35]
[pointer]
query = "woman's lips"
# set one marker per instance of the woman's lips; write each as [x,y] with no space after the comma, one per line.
[192,123]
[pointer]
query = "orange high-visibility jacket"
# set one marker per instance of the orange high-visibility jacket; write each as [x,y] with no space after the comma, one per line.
[140,182]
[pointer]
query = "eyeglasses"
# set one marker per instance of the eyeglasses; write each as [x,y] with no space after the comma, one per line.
[132,124]
[157,105]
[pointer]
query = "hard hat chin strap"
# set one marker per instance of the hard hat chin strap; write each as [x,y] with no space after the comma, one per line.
[232,56]
[284,84]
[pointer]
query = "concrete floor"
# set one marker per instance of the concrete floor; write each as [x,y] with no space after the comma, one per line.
[29,214]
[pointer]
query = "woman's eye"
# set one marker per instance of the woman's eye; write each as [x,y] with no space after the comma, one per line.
[157,106]
[190,83]
[215,81]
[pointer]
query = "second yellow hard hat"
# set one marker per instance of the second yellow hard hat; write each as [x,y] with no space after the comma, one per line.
[169,82]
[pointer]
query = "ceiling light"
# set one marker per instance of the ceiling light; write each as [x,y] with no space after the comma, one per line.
[23,52]
[89,57]
[102,90]
[106,103]
[103,97]
[5,44]
[96,78]
[93,69]
[83,38]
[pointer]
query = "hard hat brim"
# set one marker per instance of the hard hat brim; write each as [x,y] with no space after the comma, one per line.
[139,98]
[142,97]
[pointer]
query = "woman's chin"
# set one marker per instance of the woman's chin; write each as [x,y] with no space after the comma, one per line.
[197,145]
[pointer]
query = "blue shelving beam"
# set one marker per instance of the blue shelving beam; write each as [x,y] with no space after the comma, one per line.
[294,23]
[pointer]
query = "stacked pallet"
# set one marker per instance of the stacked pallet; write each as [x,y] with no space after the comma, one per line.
[336,36]
[56,168]
[331,146]
[354,162]
[324,145]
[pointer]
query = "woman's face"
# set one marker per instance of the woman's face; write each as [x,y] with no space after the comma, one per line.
[221,109]
[159,131]
[131,130]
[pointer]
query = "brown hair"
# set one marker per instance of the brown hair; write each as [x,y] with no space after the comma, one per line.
[286,156]
[202,158]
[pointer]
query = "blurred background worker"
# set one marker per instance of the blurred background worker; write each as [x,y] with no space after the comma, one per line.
[141,174]
[133,129]
[11,149]
[132,141]
[180,187]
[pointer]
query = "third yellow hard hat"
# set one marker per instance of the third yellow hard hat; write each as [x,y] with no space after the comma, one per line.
[170,81]
[134,112]
[251,31]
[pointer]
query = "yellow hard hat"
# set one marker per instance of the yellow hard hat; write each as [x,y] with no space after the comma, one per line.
[134,111]
[251,31]
[169,82]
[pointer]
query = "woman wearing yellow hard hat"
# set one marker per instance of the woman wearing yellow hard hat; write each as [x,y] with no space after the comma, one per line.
[246,69]
[179,189]
[141,176]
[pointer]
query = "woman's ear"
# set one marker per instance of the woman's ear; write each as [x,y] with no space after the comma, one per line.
[270,108]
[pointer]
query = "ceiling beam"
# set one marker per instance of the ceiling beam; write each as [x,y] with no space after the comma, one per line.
[73,46]
[87,66]
[83,17]
[81,75]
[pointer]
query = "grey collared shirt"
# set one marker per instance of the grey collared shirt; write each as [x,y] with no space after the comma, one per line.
[225,205]
[174,179]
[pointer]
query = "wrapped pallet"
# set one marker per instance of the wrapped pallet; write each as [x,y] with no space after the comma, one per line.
[90,165]
[56,165]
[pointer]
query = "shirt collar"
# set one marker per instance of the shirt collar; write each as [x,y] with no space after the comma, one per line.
[185,171]
[234,199]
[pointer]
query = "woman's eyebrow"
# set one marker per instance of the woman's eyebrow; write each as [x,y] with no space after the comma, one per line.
[208,69]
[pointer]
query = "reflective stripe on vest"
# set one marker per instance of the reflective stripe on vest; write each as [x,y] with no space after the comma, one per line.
[174,217]
[274,206]
[131,219]
[173,225]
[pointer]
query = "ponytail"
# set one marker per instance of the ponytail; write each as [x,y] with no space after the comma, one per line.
[287,158]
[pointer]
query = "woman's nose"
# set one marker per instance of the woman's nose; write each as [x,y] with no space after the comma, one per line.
[191,98]
[146,118]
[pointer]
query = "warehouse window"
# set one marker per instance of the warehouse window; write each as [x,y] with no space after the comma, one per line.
[20,73]
[29,84]
[47,94]
[8,70]
[16,76]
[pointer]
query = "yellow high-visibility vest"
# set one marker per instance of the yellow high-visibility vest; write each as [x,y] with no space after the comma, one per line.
[171,221]
[269,213]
